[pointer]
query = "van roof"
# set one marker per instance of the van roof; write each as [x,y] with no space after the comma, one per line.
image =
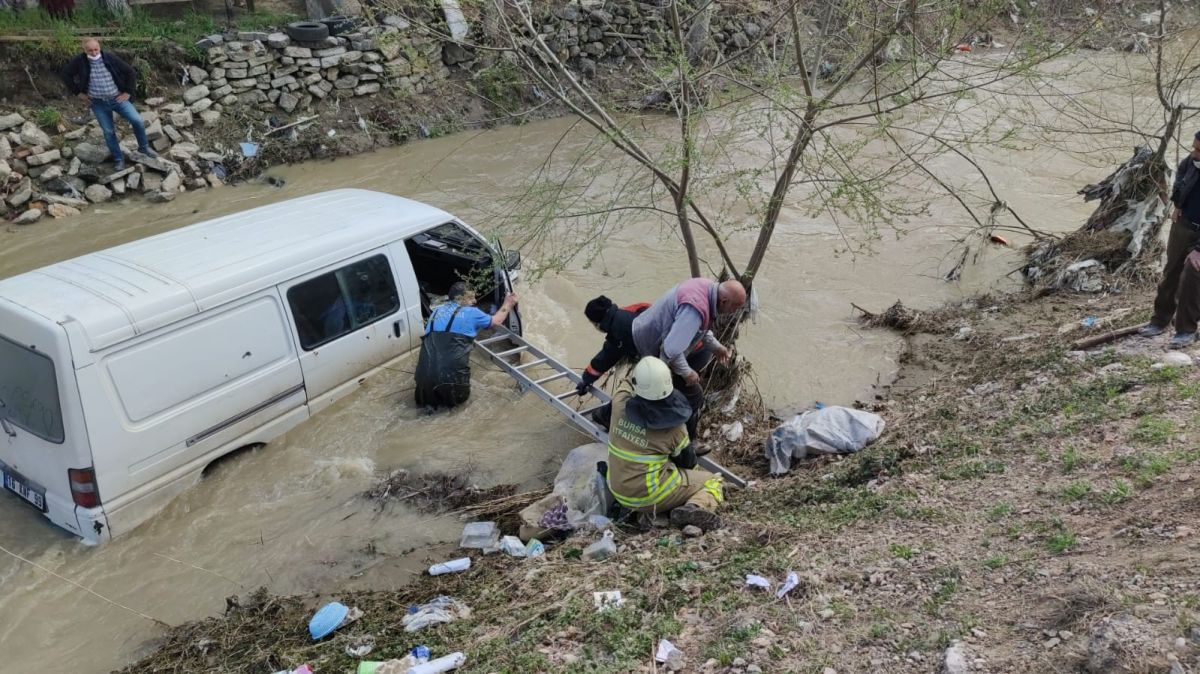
[121,292]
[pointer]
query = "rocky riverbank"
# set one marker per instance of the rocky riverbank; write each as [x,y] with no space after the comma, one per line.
[1030,508]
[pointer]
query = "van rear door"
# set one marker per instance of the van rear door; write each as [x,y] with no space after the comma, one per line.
[41,434]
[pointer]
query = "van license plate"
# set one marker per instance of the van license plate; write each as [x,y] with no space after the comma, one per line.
[33,496]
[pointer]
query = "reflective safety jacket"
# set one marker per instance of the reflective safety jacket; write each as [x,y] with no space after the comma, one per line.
[640,471]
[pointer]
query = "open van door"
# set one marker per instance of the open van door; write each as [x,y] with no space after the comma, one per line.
[507,262]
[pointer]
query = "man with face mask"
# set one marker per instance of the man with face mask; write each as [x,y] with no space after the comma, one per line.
[107,83]
[1178,295]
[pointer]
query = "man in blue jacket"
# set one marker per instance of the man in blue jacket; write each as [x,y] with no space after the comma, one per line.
[1179,292]
[107,83]
[443,375]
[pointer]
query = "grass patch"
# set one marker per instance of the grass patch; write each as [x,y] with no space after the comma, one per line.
[1119,492]
[1071,459]
[1076,491]
[902,551]
[995,562]
[1153,430]
[49,118]
[973,470]
[1145,467]
[1061,542]
[947,586]
[1000,510]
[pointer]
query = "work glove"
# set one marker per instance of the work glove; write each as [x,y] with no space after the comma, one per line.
[686,458]
[585,386]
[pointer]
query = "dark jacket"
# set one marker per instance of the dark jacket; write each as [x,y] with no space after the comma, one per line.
[78,72]
[1185,181]
[617,325]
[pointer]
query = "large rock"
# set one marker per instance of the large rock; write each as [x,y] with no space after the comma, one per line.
[61,211]
[97,194]
[48,157]
[183,118]
[5,148]
[22,193]
[11,121]
[201,105]
[32,135]
[153,163]
[194,94]
[159,196]
[5,171]
[172,182]
[367,89]
[278,40]
[92,153]
[197,74]
[51,173]
[116,175]
[28,217]
[210,117]
[288,101]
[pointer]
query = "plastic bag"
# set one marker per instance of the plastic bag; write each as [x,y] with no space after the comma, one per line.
[578,486]
[830,430]
[441,610]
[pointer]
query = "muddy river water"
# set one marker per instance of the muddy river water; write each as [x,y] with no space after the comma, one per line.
[288,516]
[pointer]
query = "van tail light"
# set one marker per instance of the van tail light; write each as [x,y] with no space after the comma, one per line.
[83,487]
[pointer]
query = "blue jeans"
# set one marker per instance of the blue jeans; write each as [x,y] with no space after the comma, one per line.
[103,109]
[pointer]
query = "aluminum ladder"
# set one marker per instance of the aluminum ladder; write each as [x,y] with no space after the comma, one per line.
[515,346]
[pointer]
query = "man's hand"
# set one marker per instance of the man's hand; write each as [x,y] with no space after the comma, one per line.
[1193,259]
[692,378]
[121,98]
[724,354]
[510,300]
[84,97]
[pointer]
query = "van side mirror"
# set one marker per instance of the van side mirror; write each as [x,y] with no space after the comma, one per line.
[512,260]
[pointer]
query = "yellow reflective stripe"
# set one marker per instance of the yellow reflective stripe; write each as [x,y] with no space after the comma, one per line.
[713,486]
[636,458]
[683,443]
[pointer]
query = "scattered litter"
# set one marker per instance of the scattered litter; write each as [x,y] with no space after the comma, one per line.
[996,238]
[327,619]
[452,566]
[964,333]
[733,400]
[607,599]
[788,585]
[361,647]
[829,430]
[599,522]
[442,664]
[819,405]
[534,548]
[963,47]
[331,133]
[513,547]
[555,518]
[249,149]
[302,669]
[421,653]
[733,432]
[480,535]
[441,610]
[667,651]
[400,666]
[753,580]
[601,549]
[1088,322]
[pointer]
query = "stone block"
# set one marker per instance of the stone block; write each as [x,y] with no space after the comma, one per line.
[51,173]
[352,56]
[73,168]
[217,73]
[22,192]
[298,52]
[244,83]
[288,102]
[97,194]
[331,51]
[182,119]
[252,36]
[156,196]
[117,175]
[256,71]
[160,144]
[117,186]
[236,74]
[31,135]
[260,60]
[43,158]
[61,210]
[201,105]
[11,121]
[173,107]
[91,153]
[134,180]
[252,97]
[210,117]
[194,94]
[229,100]
[346,82]
[317,91]
[278,40]
[330,61]
[221,92]
[151,181]
[172,182]
[366,89]
[197,74]
[172,133]
[28,217]
[74,134]
[282,81]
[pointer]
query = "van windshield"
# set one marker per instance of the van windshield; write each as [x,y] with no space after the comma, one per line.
[29,391]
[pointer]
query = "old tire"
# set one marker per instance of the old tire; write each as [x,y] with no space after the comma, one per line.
[307,31]
[338,24]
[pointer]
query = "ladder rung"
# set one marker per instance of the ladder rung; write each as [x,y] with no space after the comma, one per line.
[552,377]
[531,363]
[568,394]
[510,352]
[489,340]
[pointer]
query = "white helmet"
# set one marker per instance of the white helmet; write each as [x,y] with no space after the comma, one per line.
[652,379]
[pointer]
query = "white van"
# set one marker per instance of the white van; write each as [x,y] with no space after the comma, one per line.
[124,373]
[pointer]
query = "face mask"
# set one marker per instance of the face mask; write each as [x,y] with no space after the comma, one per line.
[93,58]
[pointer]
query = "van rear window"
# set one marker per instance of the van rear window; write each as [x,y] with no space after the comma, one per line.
[29,391]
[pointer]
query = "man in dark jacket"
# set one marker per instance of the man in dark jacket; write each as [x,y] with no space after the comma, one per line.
[617,325]
[1178,295]
[107,83]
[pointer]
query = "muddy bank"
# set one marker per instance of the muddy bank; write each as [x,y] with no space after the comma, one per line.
[1029,509]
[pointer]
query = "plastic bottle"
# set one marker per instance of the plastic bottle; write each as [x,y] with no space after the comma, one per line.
[443,664]
[601,549]
[452,566]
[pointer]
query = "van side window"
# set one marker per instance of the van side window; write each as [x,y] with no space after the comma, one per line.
[342,301]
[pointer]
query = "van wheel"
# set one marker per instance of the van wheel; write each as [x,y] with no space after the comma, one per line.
[230,456]
[307,31]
